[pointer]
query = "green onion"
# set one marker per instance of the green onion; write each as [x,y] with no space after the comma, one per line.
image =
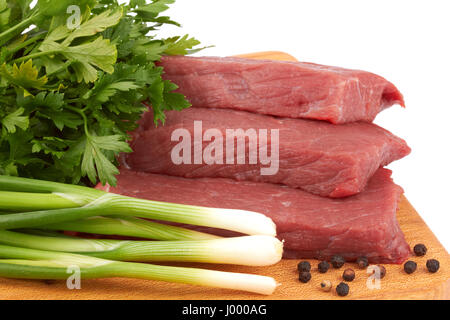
[94,202]
[45,254]
[26,263]
[33,201]
[130,227]
[46,233]
[248,250]
[84,194]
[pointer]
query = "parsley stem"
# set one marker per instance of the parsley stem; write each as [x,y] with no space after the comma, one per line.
[81,112]
[27,43]
[34,55]
[17,28]
[74,101]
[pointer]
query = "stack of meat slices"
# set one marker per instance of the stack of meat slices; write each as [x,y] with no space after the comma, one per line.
[329,193]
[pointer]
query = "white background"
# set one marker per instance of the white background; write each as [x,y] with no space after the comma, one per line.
[406,41]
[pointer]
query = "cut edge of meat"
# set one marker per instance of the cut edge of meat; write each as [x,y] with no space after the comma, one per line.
[398,253]
[391,95]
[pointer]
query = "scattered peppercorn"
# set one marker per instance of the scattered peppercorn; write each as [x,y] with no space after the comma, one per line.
[432,265]
[410,267]
[420,249]
[304,276]
[304,266]
[348,275]
[337,261]
[362,262]
[323,266]
[342,289]
[326,285]
[382,271]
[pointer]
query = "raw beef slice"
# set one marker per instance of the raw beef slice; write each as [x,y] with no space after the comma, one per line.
[316,156]
[312,226]
[281,88]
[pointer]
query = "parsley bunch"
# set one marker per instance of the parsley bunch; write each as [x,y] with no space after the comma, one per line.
[73,79]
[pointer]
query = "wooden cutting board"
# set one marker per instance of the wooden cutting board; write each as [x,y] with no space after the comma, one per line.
[396,284]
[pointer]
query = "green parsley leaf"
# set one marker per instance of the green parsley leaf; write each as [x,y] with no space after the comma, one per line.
[15,120]
[25,76]
[94,160]
[91,27]
[70,97]
[180,46]
[99,53]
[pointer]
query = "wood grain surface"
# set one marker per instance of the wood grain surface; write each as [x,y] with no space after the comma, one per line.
[396,284]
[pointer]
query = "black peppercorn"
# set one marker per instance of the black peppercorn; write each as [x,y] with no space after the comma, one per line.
[410,267]
[337,261]
[420,249]
[323,266]
[342,289]
[348,275]
[304,266]
[362,262]
[432,265]
[382,271]
[304,277]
